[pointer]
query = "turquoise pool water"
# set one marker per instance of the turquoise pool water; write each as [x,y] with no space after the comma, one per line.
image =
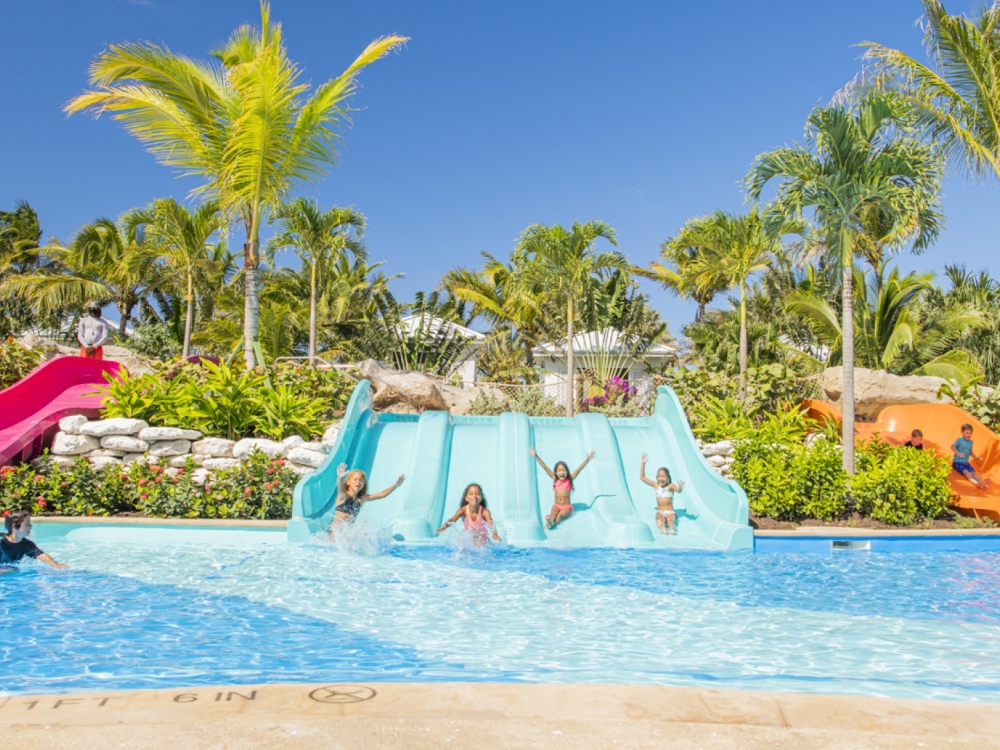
[165,609]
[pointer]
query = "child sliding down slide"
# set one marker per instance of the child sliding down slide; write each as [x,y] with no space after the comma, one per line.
[477,519]
[665,489]
[562,486]
[962,448]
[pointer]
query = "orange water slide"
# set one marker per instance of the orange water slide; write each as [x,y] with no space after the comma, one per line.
[941,425]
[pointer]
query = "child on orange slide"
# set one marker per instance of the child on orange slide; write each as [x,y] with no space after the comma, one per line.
[962,448]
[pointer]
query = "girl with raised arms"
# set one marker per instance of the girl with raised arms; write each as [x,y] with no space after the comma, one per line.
[562,487]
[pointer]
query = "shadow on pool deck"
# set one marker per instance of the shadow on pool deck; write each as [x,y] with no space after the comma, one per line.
[489,715]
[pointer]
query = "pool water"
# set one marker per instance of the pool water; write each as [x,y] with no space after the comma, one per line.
[168,613]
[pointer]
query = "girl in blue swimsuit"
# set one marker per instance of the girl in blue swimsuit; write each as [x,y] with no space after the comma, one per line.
[352,493]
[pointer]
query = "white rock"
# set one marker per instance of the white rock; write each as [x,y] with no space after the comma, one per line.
[130,458]
[171,471]
[71,425]
[152,434]
[179,462]
[104,453]
[306,457]
[124,443]
[300,469]
[64,444]
[292,442]
[716,461]
[269,448]
[166,448]
[215,464]
[200,475]
[118,426]
[330,436]
[316,446]
[62,462]
[722,448]
[214,447]
[103,462]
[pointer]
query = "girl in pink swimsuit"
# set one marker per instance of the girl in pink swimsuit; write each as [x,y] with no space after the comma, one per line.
[477,519]
[562,486]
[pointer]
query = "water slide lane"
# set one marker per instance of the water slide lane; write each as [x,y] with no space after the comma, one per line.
[442,454]
[31,408]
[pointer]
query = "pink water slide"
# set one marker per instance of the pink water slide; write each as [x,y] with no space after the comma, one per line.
[30,409]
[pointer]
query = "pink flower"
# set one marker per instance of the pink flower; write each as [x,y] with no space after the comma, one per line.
[157,480]
[143,495]
[41,502]
[63,483]
[141,482]
[248,491]
[6,470]
[39,478]
[4,514]
[269,471]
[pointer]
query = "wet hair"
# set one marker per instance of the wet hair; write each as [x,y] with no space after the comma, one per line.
[15,519]
[666,471]
[916,433]
[569,474]
[347,476]
[465,493]
[966,426]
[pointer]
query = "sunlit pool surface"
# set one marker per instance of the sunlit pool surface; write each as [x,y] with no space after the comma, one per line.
[177,614]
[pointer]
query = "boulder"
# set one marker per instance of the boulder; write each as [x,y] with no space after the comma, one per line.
[316,446]
[179,462]
[125,443]
[292,442]
[165,448]
[152,434]
[269,448]
[200,475]
[716,462]
[874,390]
[131,458]
[300,469]
[306,457]
[214,447]
[62,462]
[117,426]
[104,453]
[330,436]
[103,462]
[48,349]
[135,364]
[214,464]
[64,444]
[459,400]
[414,390]
[721,448]
[71,425]
[172,471]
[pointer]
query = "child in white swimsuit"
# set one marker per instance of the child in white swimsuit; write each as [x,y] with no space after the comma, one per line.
[665,489]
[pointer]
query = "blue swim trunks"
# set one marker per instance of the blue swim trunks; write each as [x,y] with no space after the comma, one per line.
[961,467]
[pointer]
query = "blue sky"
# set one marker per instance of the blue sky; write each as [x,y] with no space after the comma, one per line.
[494,116]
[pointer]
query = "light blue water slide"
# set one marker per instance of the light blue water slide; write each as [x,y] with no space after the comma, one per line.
[441,454]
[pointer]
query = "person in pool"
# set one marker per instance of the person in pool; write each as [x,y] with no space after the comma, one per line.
[477,517]
[562,486]
[352,493]
[665,489]
[15,545]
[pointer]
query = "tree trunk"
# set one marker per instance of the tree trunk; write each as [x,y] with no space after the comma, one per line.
[570,373]
[847,399]
[312,315]
[189,318]
[743,343]
[124,311]
[251,309]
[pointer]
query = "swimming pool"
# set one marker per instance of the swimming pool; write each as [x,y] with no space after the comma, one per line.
[148,609]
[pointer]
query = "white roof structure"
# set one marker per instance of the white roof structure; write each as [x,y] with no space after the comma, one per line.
[607,340]
[413,323]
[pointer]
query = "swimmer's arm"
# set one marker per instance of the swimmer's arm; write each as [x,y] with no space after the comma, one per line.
[47,559]
[387,491]
[488,517]
[642,472]
[587,460]
[542,463]
[451,520]
[679,487]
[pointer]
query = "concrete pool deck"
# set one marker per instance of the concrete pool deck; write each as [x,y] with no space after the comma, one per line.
[484,715]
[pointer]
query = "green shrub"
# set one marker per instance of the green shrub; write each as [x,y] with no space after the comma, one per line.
[901,485]
[530,401]
[77,490]
[982,403]
[282,413]
[16,361]
[155,341]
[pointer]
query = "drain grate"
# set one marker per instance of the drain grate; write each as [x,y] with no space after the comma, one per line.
[852,544]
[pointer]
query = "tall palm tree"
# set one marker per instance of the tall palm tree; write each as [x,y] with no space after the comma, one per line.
[245,123]
[184,237]
[724,251]
[319,238]
[107,261]
[858,166]
[678,271]
[564,264]
[957,95]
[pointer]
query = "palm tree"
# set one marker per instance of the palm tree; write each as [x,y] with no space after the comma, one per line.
[319,239]
[678,272]
[562,262]
[243,122]
[724,251]
[957,96]
[185,238]
[858,167]
[107,261]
